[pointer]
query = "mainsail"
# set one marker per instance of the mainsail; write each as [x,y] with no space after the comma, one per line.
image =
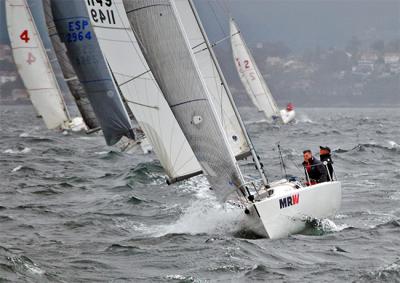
[212,78]
[33,65]
[140,90]
[73,25]
[77,90]
[251,77]
[172,63]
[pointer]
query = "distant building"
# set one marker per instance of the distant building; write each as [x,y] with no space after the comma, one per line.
[392,60]
[366,64]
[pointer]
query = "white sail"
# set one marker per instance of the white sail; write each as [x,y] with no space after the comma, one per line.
[140,90]
[212,78]
[33,65]
[169,55]
[251,77]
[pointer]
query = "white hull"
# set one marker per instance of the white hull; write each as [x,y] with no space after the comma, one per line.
[75,125]
[287,210]
[287,116]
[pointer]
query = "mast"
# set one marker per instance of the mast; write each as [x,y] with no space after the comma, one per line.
[225,85]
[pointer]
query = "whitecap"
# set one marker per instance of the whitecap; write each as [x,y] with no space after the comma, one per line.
[17,151]
[302,117]
[17,168]
[205,216]
[328,225]
[393,144]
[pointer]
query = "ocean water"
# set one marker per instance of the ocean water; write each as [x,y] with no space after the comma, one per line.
[74,210]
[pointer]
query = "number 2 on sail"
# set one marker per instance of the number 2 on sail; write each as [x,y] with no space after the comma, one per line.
[24,36]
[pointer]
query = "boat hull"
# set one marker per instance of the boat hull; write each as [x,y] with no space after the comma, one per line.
[287,116]
[288,209]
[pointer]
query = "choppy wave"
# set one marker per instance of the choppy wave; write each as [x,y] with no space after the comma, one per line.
[74,210]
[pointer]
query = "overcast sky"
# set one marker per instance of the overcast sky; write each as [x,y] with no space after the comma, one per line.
[299,23]
[303,24]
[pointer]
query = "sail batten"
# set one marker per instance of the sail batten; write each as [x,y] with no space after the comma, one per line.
[167,51]
[34,65]
[142,93]
[73,26]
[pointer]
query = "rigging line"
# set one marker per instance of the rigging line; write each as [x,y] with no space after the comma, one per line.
[213,44]
[216,18]
[135,77]
[141,104]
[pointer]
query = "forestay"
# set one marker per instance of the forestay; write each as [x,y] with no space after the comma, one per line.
[33,65]
[73,25]
[140,90]
[251,77]
[77,90]
[171,60]
[212,78]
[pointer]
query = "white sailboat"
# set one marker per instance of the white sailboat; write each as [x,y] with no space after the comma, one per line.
[169,55]
[35,70]
[254,83]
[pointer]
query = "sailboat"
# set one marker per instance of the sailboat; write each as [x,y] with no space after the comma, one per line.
[168,52]
[73,27]
[253,81]
[35,70]
[78,92]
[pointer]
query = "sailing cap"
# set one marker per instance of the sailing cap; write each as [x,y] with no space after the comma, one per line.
[325,148]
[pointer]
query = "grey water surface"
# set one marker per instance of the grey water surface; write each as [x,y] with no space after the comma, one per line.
[75,210]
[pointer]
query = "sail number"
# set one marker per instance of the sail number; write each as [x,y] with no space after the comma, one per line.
[100,2]
[31,59]
[78,31]
[100,13]
[24,36]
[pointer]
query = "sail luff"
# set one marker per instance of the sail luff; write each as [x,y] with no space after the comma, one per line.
[170,58]
[229,94]
[250,75]
[34,66]
[69,74]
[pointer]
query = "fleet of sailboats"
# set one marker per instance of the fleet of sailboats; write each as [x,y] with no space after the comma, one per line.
[152,58]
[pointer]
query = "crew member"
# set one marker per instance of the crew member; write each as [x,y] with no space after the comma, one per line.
[314,168]
[325,155]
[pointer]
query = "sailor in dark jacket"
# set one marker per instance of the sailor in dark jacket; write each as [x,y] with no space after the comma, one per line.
[317,172]
[325,155]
